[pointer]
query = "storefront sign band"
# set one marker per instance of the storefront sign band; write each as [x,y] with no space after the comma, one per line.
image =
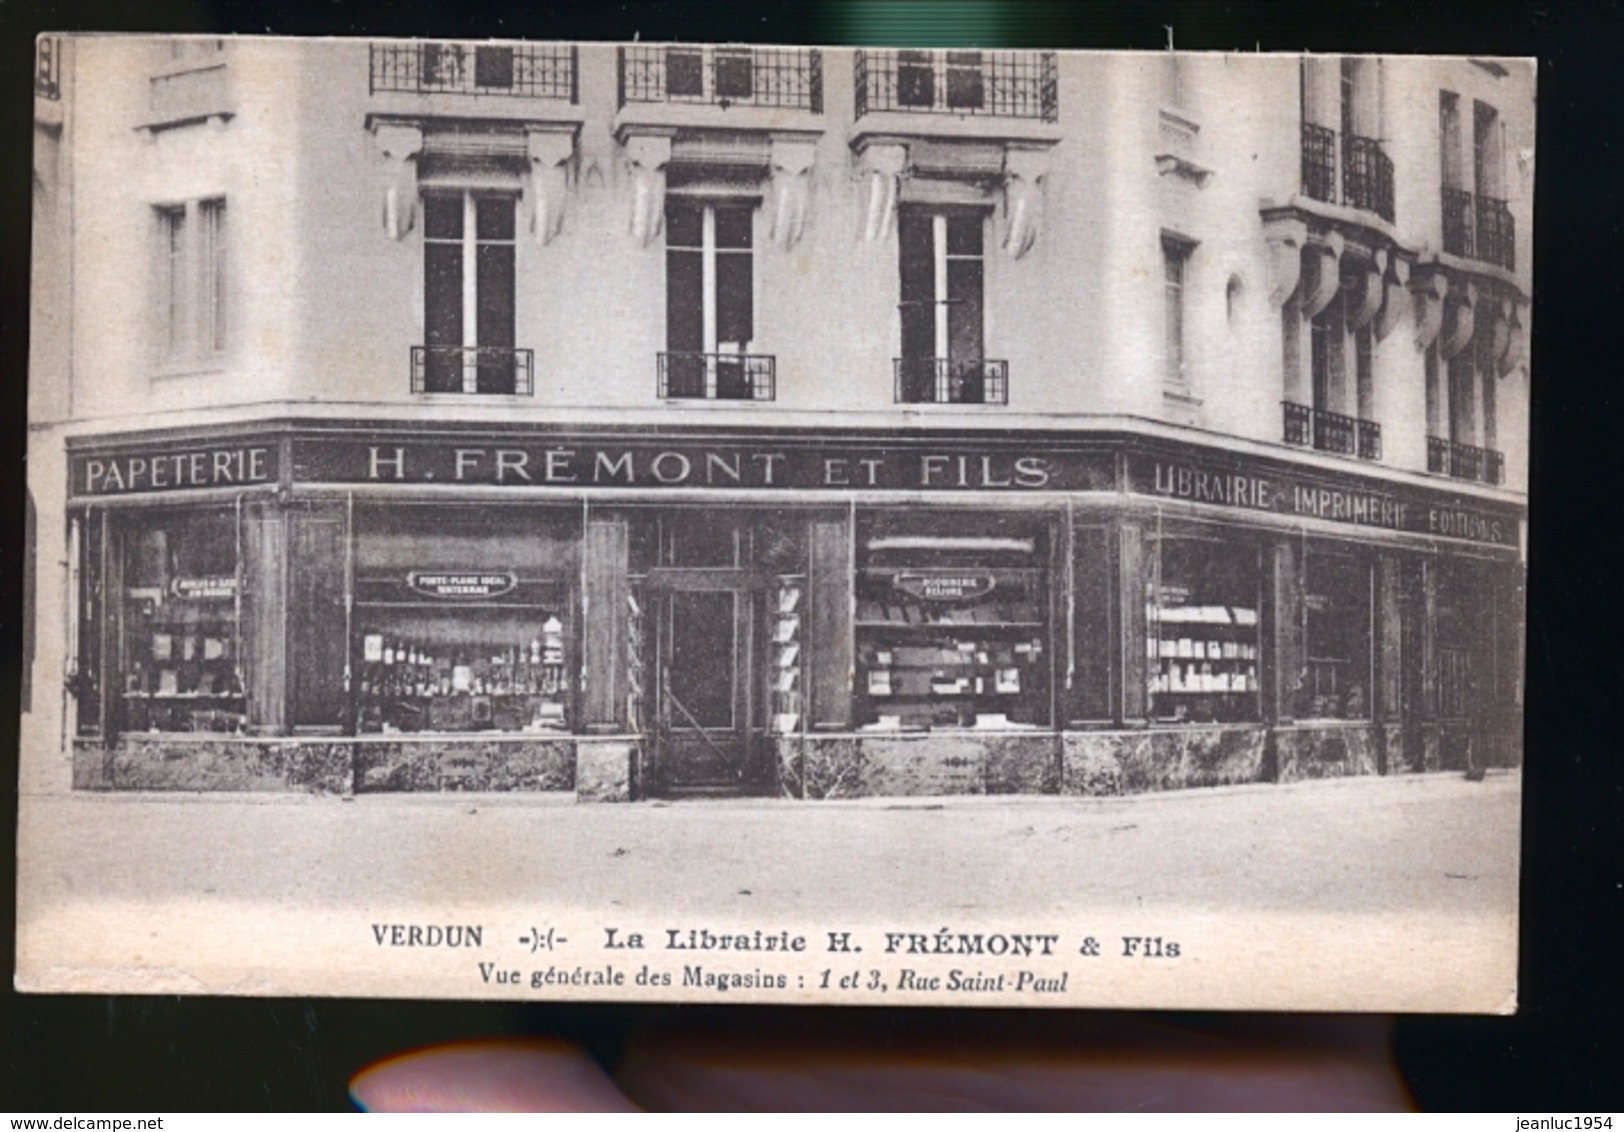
[654,462]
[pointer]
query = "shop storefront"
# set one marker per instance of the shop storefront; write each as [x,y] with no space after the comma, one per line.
[624,615]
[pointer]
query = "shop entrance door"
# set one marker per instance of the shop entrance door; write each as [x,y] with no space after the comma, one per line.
[704,679]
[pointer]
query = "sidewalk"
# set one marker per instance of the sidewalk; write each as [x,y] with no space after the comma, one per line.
[1434,841]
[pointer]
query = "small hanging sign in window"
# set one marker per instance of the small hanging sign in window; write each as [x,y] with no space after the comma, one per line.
[485,583]
[220,586]
[947,586]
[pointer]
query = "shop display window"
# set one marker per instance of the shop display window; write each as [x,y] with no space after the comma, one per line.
[1454,639]
[463,623]
[1337,629]
[1201,616]
[180,648]
[952,623]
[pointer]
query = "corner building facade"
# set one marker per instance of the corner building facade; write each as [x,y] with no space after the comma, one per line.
[654,421]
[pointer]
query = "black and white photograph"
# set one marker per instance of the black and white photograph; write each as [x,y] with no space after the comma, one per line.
[542,521]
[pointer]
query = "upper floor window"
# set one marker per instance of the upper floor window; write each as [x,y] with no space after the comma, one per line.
[790,78]
[1477,223]
[192,280]
[1462,424]
[1004,84]
[534,70]
[469,296]
[710,303]
[1175,265]
[941,269]
[1335,411]
[1343,158]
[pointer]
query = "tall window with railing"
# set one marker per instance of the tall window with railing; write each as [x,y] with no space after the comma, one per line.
[1343,158]
[710,304]
[941,274]
[1333,411]
[1477,221]
[1495,231]
[469,302]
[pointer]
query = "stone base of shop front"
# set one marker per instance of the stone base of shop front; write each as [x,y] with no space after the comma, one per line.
[216,762]
[332,766]
[1134,762]
[818,766]
[926,763]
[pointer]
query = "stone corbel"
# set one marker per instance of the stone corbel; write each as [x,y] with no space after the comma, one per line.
[1371,292]
[399,144]
[647,156]
[550,152]
[1395,285]
[1460,320]
[791,162]
[1498,328]
[1429,292]
[1322,272]
[880,166]
[1024,174]
[1285,237]
[1515,352]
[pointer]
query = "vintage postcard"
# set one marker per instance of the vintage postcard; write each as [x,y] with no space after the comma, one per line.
[776,524]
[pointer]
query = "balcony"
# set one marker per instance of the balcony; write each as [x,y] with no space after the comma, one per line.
[473,369]
[48,68]
[1367,176]
[1367,171]
[722,76]
[949,381]
[1496,233]
[989,84]
[717,377]
[1326,431]
[1319,163]
[1465,462]
[1457,204]
[517,71]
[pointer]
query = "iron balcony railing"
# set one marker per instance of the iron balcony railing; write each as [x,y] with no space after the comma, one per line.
[785,78]
[1465,461]
[1496,233]
[951,381]
[1326,431]
[48,68]
[516,70]
[472,369]
[992,84]
[1366,182]
[1457,204]
[1438,455]
[1368,434]
[717,377]
[1494,466]
[1367,176]
[1319,162]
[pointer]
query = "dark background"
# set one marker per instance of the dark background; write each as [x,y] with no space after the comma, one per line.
[1561,1053]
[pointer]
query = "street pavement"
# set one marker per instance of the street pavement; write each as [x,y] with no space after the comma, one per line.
[1350,845]
[1364,893]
